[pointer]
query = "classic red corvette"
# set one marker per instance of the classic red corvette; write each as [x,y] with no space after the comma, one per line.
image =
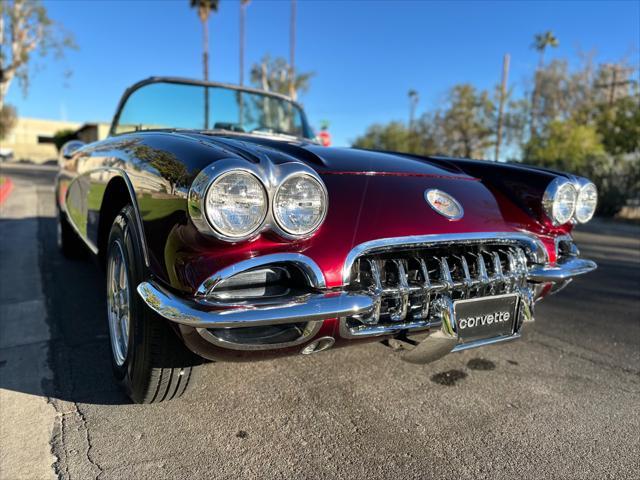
[228,233]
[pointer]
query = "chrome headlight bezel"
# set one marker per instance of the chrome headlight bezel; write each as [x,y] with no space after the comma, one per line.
[315,179]
[262,215]
[271,176]
[583,185]
[199,191]
[557,187]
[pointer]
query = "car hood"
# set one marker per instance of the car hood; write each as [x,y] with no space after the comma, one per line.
[323,159]
[372,196]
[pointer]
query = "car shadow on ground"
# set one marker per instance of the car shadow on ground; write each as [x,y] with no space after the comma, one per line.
[79,352]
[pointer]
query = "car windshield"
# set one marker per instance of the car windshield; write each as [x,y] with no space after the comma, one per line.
[194,106]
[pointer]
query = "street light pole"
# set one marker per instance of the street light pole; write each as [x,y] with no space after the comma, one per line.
[503,97]
[292,51]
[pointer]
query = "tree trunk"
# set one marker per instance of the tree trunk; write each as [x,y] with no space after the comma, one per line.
[534,97]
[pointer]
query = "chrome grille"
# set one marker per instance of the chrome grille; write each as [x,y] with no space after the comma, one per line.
[405,283]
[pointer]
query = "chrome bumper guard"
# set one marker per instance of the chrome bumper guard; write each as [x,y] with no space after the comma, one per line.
[561,272]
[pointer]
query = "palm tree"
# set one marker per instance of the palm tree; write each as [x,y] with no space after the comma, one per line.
[541,42]
[243,12]
[272,75]
[205,7]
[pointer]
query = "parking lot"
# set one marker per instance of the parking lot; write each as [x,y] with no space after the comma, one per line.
[560,403]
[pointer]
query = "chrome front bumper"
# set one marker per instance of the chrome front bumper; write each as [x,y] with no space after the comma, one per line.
[207,314]
[306,308]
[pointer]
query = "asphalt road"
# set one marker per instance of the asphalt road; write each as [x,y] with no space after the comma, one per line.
[564,402]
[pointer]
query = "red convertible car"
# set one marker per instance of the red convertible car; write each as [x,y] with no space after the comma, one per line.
[228,234]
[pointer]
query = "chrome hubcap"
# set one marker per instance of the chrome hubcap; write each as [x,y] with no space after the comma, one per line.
[118,303]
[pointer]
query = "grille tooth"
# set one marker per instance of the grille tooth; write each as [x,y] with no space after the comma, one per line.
[400,297]
[498,274]
[445,274]
[376,291]
[426,290]
[467,276]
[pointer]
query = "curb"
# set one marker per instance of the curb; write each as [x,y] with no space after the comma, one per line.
[5,189]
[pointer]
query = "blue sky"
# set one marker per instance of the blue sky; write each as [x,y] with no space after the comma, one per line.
[366,54]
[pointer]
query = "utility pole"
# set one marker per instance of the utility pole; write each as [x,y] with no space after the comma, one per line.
[243,12]
[205,48]
[617,71]
[503,98]
[292,51]
[413,103]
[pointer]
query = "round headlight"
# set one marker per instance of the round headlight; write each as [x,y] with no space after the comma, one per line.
[587,202]
[236,204]
[300,204]
[560,201]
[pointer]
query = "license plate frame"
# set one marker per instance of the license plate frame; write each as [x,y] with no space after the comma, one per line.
[486,317]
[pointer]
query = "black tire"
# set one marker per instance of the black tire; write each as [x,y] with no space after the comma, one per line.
[70,244]
[156,366]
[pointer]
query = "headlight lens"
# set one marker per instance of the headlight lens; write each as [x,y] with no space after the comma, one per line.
[586,203]
[560,201]
[300,204]
[236,204]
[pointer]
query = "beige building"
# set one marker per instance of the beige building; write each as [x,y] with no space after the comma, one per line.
[32,138]
[92,132]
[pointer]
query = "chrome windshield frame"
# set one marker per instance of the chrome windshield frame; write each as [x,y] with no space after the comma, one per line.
[308,132]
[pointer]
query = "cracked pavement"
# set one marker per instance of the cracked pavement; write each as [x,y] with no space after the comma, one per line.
[560,403]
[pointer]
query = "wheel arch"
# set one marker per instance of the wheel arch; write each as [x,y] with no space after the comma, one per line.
[118,193]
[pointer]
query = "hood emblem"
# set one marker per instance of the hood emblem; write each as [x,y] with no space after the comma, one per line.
[444,204]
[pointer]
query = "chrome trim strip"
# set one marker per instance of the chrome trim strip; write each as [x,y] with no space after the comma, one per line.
[534,245]
[561,271]
[312,307]
[134,203]
[310,268]
[86,240]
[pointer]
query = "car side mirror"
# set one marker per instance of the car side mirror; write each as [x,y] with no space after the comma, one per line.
[69,148]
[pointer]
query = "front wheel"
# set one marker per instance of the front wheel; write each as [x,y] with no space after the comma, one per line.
[148,359]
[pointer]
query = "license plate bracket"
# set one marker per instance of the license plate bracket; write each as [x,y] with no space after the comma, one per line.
[486,317]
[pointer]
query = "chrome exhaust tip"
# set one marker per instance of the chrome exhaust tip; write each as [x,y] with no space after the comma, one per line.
[319,345]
